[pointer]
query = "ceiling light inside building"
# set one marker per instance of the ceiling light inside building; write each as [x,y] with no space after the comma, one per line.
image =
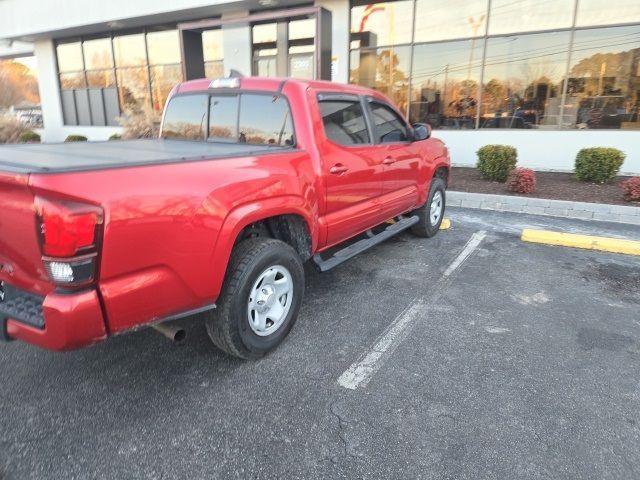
[268,3]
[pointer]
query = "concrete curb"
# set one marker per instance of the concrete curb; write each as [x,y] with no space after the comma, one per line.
[589,242]
[542,206]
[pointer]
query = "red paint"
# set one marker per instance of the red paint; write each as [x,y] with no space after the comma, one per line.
[168,230]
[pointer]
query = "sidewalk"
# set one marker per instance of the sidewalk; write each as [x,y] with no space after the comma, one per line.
[540,206]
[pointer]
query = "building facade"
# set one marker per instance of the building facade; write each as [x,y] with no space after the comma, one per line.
[547,76]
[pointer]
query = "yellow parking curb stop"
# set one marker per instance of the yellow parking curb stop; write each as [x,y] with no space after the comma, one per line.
[605,244]
[446,224]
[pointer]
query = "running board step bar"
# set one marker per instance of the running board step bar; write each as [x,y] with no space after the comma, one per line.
[364,244]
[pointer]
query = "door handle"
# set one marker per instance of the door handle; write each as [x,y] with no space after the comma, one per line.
[389,161]
[338,169]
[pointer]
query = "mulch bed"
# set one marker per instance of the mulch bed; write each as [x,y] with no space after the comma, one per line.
[552,185]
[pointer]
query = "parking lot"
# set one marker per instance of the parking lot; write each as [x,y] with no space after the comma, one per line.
[471,355]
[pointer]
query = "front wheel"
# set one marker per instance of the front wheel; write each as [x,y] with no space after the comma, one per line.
[432,212]
[260,298]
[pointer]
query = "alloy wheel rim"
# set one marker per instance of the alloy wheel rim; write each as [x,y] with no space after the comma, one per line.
[270,300]
[436,208]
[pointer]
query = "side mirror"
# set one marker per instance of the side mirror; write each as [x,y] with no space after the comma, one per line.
[421,131]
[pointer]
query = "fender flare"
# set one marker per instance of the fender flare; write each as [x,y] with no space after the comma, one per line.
[246,214]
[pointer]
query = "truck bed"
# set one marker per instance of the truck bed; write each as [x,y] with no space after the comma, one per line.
[82,156]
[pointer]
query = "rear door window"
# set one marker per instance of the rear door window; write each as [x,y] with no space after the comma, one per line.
[344,122]
[186,117]
[265,120]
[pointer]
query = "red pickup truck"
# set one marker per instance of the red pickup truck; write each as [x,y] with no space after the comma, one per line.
[249,179]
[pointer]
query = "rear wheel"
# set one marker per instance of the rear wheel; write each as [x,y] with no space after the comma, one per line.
[260,298]
[432,212]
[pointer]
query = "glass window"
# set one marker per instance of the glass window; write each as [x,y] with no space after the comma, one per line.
[186,117]
[603,88]
[223,118]
[133,88]
[444,85]
[101,79]
[451,19]
[265,33]
[302,29]
[523,80]
[214,69]
[69,57]
[72,80]
[272,126]
[386,70]
[212,45]
[380,24]
[130,50]
[163,47]
[390,128]
[605,12]
[97,54]
[344,122]
[526,15]
[163,79]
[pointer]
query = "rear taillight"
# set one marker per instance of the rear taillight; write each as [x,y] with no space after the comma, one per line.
[70,234]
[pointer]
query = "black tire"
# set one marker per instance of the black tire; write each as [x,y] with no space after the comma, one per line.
[228,324]
[424,227]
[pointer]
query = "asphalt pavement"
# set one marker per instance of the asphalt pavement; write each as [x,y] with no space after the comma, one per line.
[443,358]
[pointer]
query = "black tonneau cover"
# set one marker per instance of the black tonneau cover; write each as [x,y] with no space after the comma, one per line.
[79,156]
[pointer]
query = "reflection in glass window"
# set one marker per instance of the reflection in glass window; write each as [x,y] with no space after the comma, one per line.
[451,19]
[444,85]
[509,16]
[97,54]
[386,70]
[603,88]
[389,127]
[223,118]
[302,29]
[606,12]
[72,80]
[344,122]
[186,117]
[129,50]
[272,127]
[265,33]
[163,79]
[523,81]
[381,24]
[163,47]
[212,45]
[133,88]
[101,79]
[69,57]
[214,69]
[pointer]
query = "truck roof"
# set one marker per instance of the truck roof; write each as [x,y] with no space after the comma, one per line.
[276,84]
[80,156]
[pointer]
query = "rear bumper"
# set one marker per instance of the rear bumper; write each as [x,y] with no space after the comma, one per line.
[66,321]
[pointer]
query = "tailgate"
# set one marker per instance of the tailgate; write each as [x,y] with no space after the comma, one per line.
[20,256]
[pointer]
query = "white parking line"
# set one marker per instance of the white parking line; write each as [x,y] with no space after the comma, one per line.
[471,245]
[360,372]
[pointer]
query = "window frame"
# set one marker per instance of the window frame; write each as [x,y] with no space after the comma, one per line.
[232,92]
[346,97]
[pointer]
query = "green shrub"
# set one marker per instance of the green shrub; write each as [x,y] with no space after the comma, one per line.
[115,136]
[76,138]
[495,162]
[29,137]
[599,164]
